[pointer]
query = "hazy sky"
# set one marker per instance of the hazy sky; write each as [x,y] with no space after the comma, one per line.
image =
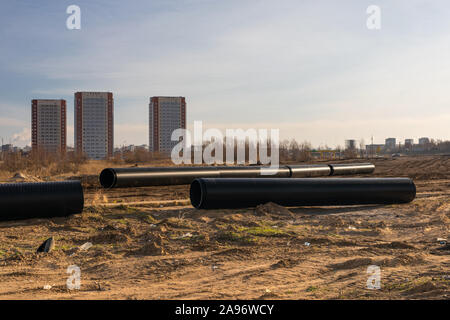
[310,68]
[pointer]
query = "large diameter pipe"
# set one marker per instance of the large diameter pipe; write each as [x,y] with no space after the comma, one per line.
[40,200]
[210,193]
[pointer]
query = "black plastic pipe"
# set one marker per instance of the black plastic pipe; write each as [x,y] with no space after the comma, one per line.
[158,176]
[351,168]
[210,193]
[40,200]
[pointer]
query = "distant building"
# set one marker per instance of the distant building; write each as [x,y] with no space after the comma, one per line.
[7,148]
[424,141]
[27,149]
[350,144]
[94,124]
[48,125]
[130,148]
[409,143]
[372,149]
[390,143]
[166,114]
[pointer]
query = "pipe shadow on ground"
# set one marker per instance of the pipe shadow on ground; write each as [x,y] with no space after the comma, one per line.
[333,210]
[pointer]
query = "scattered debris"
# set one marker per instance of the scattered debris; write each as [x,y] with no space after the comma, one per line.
[86,246]
[268,294]
[47,287]
[307,244]
[99,286]
[47,246]
[215,266]
[186,235]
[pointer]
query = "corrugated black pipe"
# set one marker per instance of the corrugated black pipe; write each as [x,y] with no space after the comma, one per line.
[210,193]
[159,176]
[40,200]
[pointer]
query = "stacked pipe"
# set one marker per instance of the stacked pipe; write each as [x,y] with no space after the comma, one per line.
[157,176]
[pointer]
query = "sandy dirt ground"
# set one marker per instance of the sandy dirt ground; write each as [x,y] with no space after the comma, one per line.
[149,243]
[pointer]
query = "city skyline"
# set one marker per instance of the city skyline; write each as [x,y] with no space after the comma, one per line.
[313,71]
[76,137]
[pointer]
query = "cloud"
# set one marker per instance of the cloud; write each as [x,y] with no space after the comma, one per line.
[22,138]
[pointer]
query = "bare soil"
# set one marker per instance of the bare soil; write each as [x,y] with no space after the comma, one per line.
[149,243]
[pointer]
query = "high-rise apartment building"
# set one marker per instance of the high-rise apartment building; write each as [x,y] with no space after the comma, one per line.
[409,143]
[390,143]
[166,114]
[48,125]
[94,124]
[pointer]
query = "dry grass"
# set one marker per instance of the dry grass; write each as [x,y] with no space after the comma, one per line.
[49,166]
[40,164]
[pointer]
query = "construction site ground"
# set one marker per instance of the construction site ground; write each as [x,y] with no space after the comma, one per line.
[150,243]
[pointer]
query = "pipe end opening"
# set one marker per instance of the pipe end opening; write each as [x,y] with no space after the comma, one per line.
[196,193]
[107,178]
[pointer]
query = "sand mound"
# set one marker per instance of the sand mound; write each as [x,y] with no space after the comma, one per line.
[109,237]
[351,264]
[150,249]
[273,210]
[395,245]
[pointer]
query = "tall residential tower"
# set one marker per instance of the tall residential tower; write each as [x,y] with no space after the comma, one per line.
[48,128]
[94,124]
[166,114]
